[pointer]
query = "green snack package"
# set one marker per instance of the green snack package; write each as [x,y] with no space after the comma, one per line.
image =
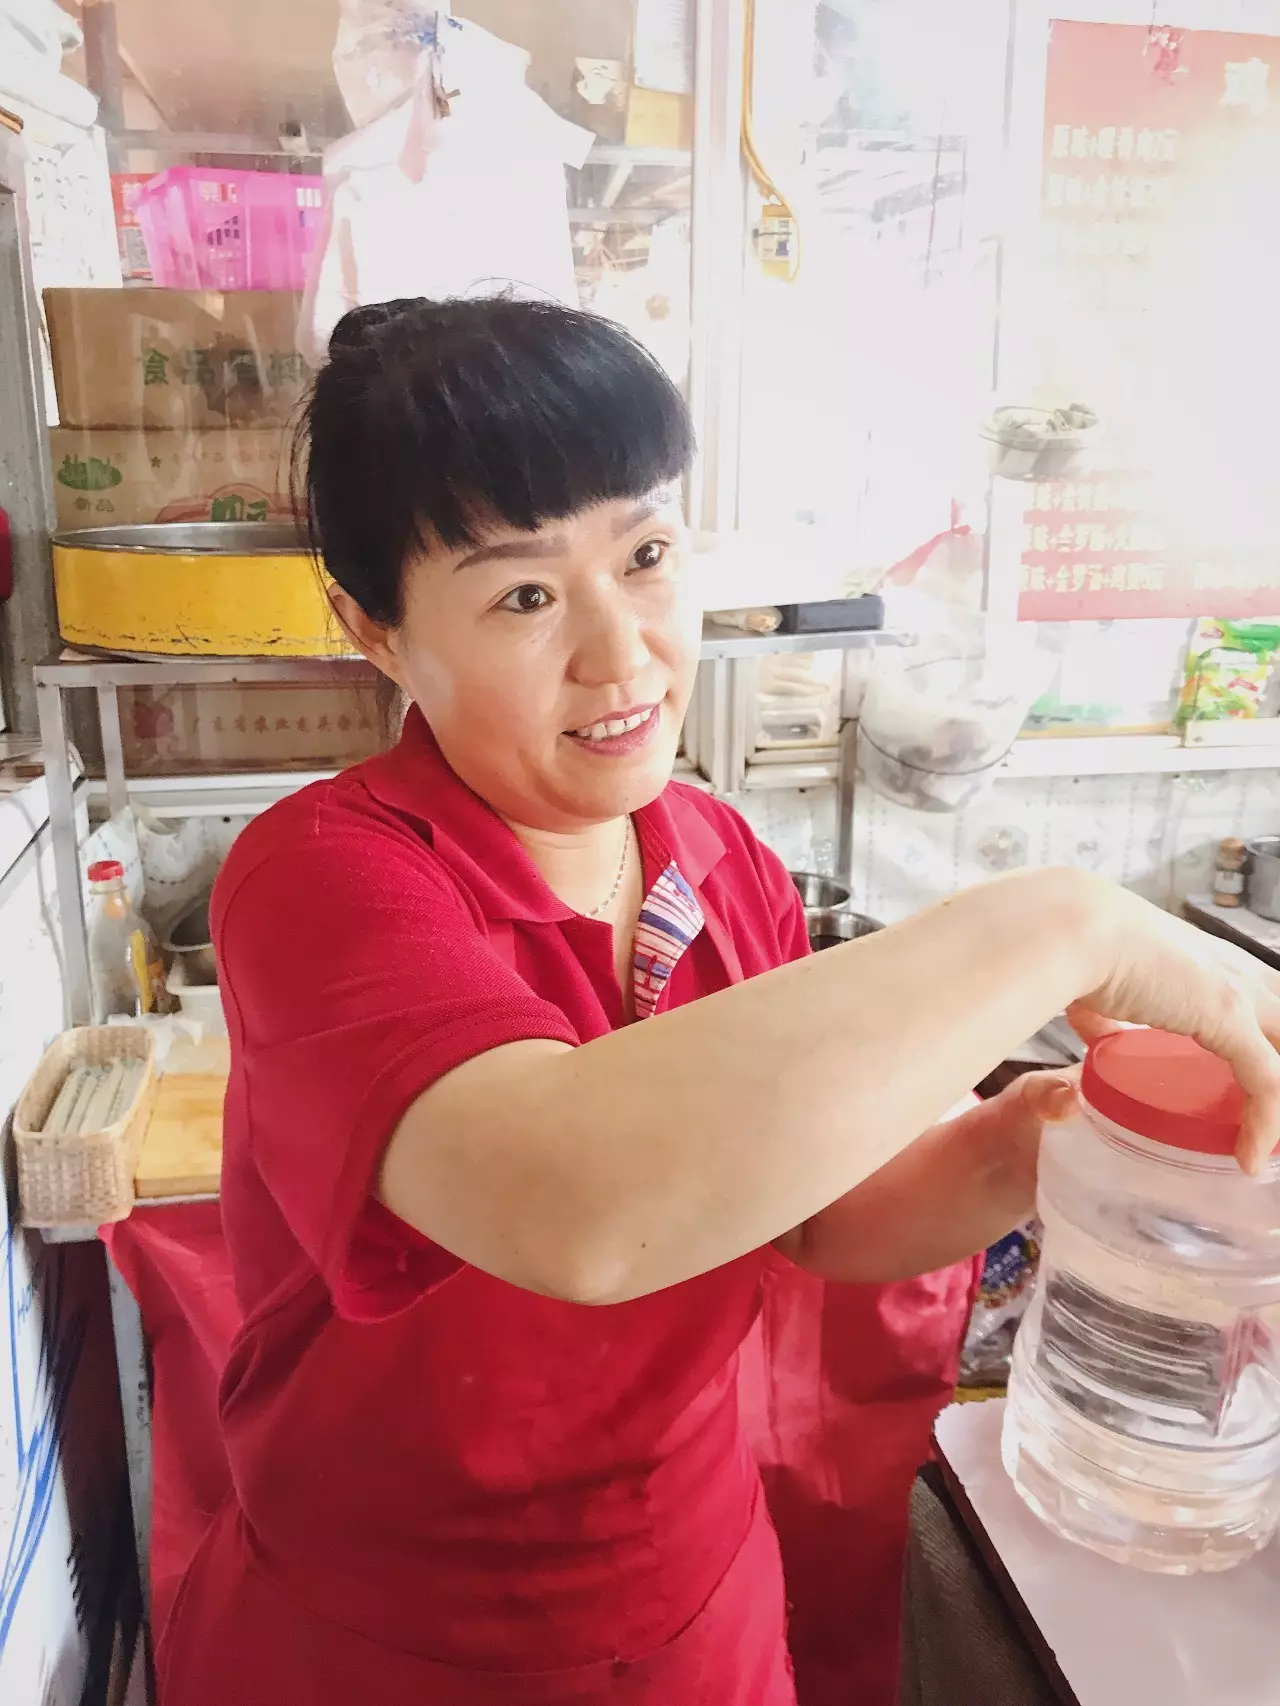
[1227,668]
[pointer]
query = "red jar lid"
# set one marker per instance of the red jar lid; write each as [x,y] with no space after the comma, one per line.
[1166,1088]
[104,870]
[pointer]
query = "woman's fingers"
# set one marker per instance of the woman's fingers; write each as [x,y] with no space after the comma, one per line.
[1243,1030]
[1048,1096]
[1090,1026]
[1164,972]
[1247,1037]
[1253,1059]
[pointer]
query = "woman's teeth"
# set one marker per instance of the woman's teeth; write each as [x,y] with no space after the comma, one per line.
[614,727]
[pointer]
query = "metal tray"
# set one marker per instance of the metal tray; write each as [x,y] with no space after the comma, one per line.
[192,539]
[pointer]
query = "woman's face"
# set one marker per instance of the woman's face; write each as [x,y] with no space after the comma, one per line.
[553,667]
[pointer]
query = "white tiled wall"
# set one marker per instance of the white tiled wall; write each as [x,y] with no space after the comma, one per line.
[800,825]
[1156,834]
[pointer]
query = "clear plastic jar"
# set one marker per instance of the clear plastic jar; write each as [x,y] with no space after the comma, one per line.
[125,966]
[934,731]
[1143,1417]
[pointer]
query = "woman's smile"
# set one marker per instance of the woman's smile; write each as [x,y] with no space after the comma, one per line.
[618,736]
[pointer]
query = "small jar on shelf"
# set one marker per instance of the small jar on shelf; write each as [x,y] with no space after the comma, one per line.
[1228,873]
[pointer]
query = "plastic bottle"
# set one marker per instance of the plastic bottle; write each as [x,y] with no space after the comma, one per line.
[125,966]
[1143,1417]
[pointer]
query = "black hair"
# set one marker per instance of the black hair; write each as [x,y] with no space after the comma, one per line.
[438,421]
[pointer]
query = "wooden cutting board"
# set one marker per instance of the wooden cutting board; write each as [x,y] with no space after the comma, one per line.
[181,1154]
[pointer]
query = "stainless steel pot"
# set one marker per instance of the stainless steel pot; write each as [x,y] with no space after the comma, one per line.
[189,941]
[191,539]
[1264,876]
[831,926]
[819,893]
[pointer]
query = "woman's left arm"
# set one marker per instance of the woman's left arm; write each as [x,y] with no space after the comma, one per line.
[955,1190]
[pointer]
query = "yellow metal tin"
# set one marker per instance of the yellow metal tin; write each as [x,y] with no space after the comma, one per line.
[202,590]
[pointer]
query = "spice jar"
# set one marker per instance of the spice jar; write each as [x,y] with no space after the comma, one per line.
[1228,873]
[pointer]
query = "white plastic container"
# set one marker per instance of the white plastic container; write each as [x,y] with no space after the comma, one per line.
[935,730]
[798,700]
[1144,1400]
[1040,444]
[202,1001]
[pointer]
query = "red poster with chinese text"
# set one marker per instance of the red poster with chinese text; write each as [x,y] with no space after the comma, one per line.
[1158,212]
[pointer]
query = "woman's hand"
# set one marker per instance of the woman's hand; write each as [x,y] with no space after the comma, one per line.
[958,1188]
[1011,1124]
[1164,972]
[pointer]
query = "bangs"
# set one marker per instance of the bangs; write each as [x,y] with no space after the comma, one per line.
[459,418]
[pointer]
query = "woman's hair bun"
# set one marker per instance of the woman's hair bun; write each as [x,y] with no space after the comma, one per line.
[358,327]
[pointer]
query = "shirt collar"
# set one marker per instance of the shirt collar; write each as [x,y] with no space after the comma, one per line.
[415,781]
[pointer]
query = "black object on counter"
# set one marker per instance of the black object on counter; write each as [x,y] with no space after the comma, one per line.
[833,615]
[830,926]
[1261,936]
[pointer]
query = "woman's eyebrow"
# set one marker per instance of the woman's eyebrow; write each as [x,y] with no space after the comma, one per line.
[642,511]
[555,544]
[536,545]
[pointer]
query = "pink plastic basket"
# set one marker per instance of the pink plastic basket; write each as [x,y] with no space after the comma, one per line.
[210,229]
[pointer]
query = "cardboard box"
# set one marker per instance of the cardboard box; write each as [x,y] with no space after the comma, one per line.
[175,358]
[236,726]
[110,478]
[657,119]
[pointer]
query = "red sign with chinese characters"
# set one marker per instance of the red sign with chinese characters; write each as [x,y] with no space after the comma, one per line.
[1137,124]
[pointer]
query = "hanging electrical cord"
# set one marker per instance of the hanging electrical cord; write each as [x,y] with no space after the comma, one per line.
[778,235]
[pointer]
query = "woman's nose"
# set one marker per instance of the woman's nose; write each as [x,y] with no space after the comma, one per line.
[611,646]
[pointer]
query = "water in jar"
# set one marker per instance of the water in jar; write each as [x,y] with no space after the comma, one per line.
[1144,1399]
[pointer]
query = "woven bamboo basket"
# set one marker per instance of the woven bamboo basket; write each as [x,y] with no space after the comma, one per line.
[85,1178]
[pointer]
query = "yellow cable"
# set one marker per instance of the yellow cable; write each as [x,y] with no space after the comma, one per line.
[772,194]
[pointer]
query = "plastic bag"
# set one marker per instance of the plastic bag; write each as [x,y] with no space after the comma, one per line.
[40,29]
[454,181]
[1228,666]
[34,36]
[379,52]
[937,721]
[1004,1291]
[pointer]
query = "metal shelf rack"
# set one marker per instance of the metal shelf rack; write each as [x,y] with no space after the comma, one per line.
[716,737]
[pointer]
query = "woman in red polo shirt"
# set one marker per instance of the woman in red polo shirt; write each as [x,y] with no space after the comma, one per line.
[532,1085]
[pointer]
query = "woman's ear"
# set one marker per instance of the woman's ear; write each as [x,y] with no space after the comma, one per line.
[373,640]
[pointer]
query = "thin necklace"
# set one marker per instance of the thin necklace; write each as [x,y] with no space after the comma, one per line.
[608,900]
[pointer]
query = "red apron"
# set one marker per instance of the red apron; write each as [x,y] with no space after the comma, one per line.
[508,1497]
[301,1657]
[840,1386]
[176,1263]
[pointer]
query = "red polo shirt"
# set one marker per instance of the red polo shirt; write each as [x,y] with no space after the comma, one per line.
[448,1489]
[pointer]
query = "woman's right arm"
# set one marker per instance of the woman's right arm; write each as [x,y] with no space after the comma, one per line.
[666,1149]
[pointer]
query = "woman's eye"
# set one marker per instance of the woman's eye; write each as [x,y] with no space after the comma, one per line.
[649,555]
[526,599]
